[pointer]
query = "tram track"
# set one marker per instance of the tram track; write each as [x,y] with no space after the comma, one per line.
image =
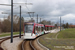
[27,45]
[32,45]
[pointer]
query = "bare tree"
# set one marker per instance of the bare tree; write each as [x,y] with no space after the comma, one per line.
[6,24]
[46,22]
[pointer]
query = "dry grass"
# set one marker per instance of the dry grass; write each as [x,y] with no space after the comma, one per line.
[62,43]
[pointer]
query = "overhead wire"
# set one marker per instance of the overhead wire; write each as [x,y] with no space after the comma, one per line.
[28,9]
[26,6]
[10,10]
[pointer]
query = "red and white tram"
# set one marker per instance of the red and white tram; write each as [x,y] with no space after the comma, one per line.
[32,30]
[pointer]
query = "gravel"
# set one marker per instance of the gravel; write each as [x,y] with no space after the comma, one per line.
[6,45]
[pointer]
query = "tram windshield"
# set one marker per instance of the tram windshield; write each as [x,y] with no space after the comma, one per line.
[28,28]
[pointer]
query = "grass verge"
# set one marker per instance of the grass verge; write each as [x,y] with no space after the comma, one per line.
[68,33]
[8,34]
[62,43]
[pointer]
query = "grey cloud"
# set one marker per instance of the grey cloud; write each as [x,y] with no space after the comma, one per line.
[46,8]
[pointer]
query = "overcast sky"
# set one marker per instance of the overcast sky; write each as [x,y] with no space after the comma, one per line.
[46,9]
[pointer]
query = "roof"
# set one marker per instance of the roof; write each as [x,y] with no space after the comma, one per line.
[36,24]
[49,26]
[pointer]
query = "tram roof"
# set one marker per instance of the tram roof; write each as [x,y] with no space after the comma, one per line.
[49,26]
[39,24]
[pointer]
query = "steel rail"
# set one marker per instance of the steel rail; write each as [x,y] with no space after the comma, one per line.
[23,45]
[32,45]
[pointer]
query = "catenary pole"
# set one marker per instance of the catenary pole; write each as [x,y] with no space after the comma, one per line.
[60,23]
[20,23]
[37,18]
[40,20]
[11,21]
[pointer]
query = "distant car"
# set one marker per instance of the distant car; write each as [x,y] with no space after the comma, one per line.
[32,30]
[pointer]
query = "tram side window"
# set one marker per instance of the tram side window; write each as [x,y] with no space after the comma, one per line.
[39,29]
[42,28]
[50,28]
[53,27]
[47,28]
[36,29]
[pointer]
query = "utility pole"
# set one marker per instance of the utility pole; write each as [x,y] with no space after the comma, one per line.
[11,21]
[37,18]
[33,16]
[60,23]
[40,20]
[20,23]
[63,23]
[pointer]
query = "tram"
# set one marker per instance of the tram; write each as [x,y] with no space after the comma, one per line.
[33,30]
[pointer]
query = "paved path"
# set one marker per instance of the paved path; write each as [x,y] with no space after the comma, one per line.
[6,45]
[55,30]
